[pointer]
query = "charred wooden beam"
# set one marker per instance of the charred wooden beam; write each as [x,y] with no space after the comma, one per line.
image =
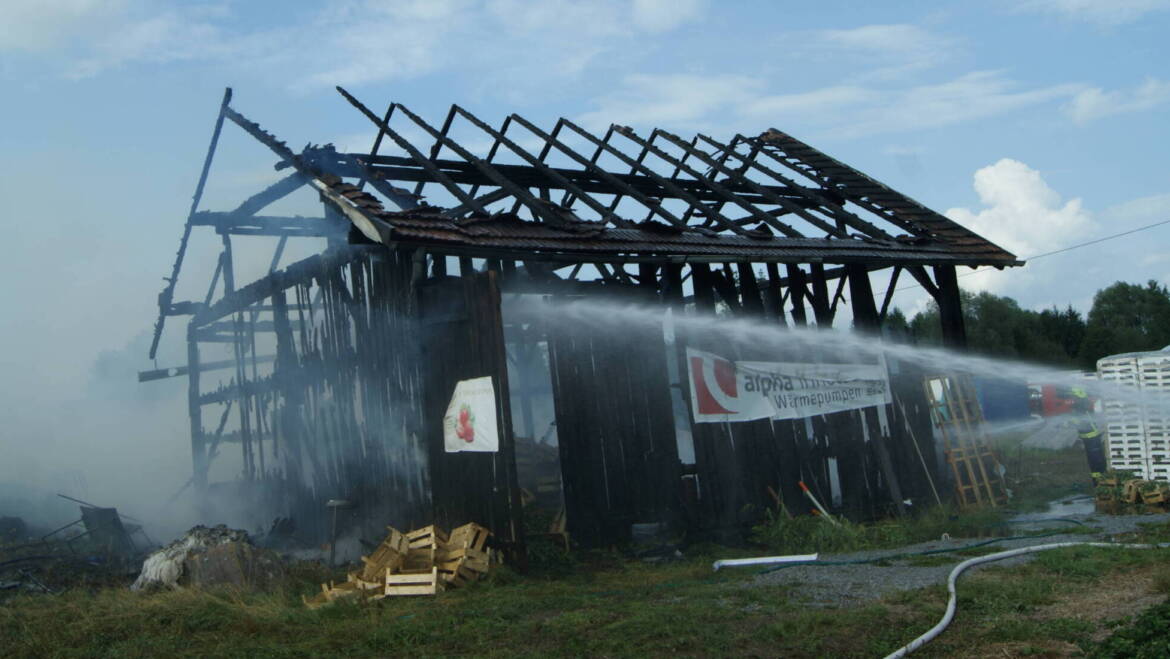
[300,272]
[539,167]
[773,300]
[417,156]
[166,297]
[865,313]
[814,197]
[798,291]
[749,290]
[269,225]
[397,168]
[950,308]
[822,306]
[272,193]
[759,189]
[204,367]
[235,392]
[195,413]
[890,289]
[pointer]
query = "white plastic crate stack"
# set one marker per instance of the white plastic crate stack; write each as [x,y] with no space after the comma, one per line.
[1154,378]
[1138,429]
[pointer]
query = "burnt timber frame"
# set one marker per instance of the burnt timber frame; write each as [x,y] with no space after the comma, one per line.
[692,224]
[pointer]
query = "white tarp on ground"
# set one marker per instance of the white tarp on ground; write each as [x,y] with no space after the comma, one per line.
[164,567]
[470,422]
[722,390]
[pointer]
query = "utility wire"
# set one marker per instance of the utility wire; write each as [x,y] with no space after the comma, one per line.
[1053,252]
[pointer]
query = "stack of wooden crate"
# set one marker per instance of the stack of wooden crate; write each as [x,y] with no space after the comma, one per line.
[422,562]
[1118,492]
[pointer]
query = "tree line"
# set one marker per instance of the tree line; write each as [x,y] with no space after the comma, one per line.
[1124,318]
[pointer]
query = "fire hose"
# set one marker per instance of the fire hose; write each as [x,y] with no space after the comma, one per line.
[934,632]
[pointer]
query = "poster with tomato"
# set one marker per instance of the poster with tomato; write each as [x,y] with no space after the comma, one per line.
[470,422]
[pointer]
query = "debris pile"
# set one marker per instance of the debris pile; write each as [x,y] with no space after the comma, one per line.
[422,562]
[1121,492]
[210,556]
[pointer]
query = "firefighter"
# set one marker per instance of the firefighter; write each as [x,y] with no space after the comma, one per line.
[1087,431]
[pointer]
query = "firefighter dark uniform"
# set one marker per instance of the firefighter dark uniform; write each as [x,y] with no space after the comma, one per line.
[1088,432]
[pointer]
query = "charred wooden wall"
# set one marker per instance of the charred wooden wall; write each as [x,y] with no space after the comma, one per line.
[619,458]
[368,353]
[462,337]
[348,399]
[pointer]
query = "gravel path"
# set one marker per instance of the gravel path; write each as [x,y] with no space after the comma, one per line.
[850,585]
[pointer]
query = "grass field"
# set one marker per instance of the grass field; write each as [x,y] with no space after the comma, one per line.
[1065,601]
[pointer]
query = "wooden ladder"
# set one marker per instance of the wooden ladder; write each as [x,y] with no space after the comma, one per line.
[955,411]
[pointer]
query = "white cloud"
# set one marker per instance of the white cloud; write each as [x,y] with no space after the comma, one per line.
[975,95]
[376,41]
[1095,103]
[166,37]
[896,38]
[1143,209]
[843,111]
[350,42]
[675,100]
[664,15]
[38,25]
[1021,214]
[1101,12]
[876,52]
[818,100]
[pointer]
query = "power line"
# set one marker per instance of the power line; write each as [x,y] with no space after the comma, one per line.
[1053,252]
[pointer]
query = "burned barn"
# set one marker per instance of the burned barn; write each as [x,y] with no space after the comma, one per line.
[546,276]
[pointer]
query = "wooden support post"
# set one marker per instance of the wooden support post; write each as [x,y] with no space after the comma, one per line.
[773,303]
[672,285]
[796,292]
[866,319]
[703,281]
[749,290]
[865,313]
[950,308]
[648,280]
[821,304]
[195,411]
[526,361]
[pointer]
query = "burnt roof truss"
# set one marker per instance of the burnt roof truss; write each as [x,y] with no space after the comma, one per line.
[567,195]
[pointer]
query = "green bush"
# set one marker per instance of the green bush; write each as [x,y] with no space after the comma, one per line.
[1147,636]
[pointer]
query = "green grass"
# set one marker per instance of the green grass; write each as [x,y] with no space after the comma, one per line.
[627,611]
[1148,635]
[601,604]
[1040,476]
[807,534]
[622,608]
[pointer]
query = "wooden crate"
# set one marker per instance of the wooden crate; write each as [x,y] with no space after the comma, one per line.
[475,559]
[391,554]
[1131,491]
[1155,493]
[364,584]
[331,592]
[427,536]
[426,545]
[458,574]
[413,583]
[470,535]
[315,602]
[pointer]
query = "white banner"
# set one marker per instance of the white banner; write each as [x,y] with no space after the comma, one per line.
[722,390]
[470,422]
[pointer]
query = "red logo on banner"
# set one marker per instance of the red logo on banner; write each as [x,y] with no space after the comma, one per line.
[714,383]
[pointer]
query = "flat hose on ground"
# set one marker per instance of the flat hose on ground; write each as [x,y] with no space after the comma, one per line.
[933,632]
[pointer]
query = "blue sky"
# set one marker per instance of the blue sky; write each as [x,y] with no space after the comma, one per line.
[1039,123]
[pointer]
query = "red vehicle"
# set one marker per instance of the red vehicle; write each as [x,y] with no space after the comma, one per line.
[1047,400]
